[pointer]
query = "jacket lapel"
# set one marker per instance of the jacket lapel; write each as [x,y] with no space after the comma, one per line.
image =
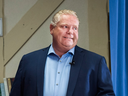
[40,70]
[74,72]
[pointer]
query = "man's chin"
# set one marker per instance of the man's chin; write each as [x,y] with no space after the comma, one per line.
[69,46]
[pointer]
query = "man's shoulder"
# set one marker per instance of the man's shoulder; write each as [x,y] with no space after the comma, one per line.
[37,52]
[90,56]
[88,52]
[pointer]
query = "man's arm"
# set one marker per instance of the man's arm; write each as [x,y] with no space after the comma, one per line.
[105,87]
[17,84]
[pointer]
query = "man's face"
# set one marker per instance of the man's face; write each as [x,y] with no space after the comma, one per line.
[65,34]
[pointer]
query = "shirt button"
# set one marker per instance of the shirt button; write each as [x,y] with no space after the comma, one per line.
[58,72]
[60,60]
[56,84]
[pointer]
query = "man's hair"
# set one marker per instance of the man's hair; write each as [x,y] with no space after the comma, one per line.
[57,16]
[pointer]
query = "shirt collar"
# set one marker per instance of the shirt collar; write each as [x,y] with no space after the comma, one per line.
[51,50]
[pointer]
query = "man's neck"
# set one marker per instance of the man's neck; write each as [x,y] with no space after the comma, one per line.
[59,52]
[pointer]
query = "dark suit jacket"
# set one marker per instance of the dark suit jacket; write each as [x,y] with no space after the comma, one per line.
[88,77]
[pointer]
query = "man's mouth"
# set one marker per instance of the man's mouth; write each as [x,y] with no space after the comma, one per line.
[68,37]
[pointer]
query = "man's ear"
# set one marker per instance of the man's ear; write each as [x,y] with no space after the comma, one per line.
[51,28]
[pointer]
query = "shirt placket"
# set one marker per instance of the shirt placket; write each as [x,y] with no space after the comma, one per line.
[58,75]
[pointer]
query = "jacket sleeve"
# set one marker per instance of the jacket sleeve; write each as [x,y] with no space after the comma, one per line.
[105,87]
[17,87]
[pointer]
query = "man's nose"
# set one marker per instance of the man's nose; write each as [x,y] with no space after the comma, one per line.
[70,31]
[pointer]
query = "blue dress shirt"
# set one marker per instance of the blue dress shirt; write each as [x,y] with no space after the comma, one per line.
[57,71]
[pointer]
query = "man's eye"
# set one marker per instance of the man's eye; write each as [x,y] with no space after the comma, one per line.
[65,26]
[75,28]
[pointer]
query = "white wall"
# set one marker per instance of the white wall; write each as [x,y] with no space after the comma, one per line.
[14,10]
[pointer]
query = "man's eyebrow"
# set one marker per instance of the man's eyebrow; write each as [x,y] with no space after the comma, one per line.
[63,24]
[68,24]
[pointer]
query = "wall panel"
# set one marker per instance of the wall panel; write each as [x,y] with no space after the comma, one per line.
[26,27]
[14,10]
[98,27]
[1,6]
[1,59]
[1,45]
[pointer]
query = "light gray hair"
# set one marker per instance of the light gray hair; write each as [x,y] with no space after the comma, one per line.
[57,16]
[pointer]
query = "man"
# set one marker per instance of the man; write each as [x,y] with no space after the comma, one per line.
[63,68]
